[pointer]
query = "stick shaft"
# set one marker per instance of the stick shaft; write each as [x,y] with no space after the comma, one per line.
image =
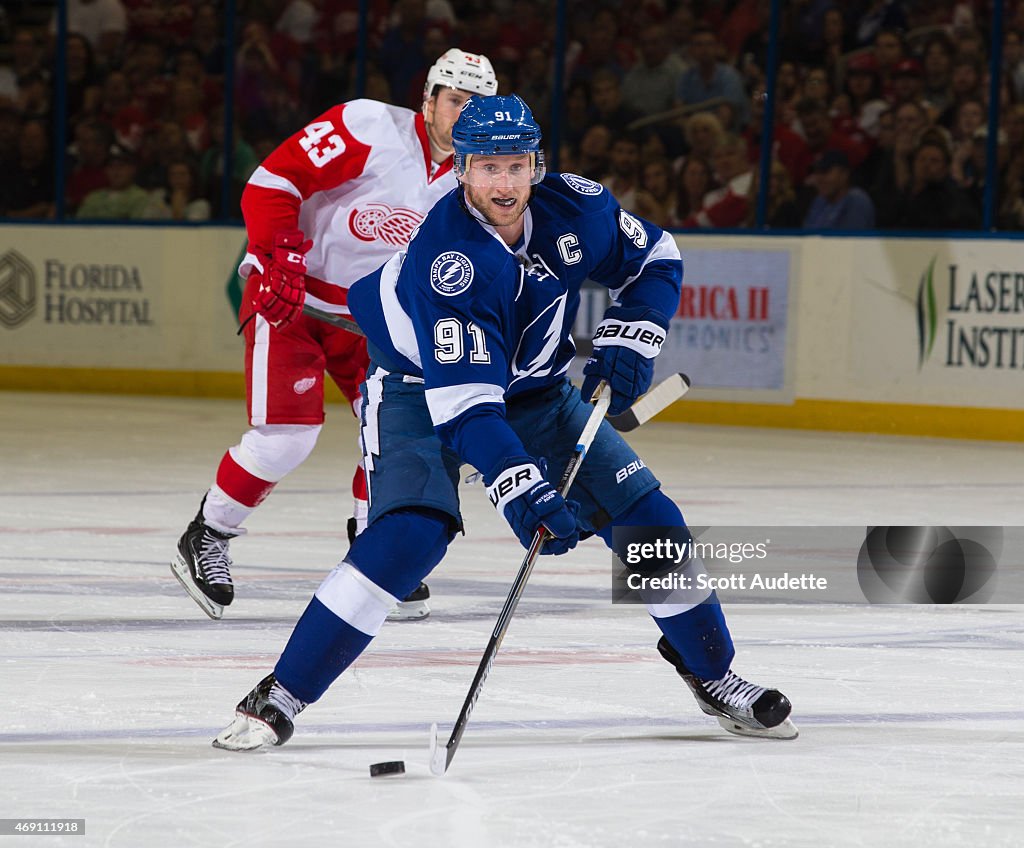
[331,318]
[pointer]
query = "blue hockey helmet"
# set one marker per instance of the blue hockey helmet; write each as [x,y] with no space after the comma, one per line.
[499,125]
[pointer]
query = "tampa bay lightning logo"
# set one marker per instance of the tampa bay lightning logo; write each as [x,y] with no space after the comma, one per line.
[582,184]
[536,353]
[451,273]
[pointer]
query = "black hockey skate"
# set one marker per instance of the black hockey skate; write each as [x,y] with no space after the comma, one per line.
[203,565]
[263,717]
[411,608]
[742,708]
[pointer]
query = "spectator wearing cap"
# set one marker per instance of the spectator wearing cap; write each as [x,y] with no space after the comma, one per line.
[838,205]
[820,134]
[907,81]
[934,201]
[864,88]
[123,198]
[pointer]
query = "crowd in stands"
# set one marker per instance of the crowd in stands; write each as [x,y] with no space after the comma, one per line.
[880,121]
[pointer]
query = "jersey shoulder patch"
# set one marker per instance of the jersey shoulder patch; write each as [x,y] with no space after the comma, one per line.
[581,185]
[451,273]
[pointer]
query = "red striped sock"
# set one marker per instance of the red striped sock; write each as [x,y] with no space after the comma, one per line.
[239,485]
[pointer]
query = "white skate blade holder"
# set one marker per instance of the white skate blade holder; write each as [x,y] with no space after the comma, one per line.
[179,568]
[784,730]
[245,733]
[409,611]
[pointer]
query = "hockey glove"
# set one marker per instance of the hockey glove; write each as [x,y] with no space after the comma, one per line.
[625,344]
[282,287]
[518,490]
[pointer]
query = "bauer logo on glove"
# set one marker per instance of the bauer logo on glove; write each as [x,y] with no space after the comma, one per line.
[642,336]
[625,345]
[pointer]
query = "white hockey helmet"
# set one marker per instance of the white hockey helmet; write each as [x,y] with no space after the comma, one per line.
[458,69]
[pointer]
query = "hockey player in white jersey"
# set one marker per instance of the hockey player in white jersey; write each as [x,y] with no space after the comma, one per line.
[469,340]
[329,205]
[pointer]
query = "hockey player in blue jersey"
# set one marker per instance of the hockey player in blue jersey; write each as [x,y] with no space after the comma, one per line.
[469,340]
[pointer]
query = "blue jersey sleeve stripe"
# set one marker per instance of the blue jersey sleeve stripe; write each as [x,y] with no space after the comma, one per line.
[396,319]
[447,403]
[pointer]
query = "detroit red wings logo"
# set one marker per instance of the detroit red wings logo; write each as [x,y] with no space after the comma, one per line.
[374,221]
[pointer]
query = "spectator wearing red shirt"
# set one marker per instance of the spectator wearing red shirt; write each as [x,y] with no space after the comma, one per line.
[92,141]
[787,146]
[728,206]
[820,135]
[119,109]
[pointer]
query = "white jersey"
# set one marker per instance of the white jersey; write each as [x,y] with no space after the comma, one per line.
[357,181]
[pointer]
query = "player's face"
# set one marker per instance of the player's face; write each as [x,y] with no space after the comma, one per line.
[440,114]
[498,187]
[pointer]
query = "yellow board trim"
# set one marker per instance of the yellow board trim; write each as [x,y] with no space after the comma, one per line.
[952,422]
[129,381]
[847,416]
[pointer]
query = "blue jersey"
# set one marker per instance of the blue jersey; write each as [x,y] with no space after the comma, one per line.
[482,322]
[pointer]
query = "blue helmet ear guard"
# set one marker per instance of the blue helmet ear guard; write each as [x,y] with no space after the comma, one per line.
[499,125]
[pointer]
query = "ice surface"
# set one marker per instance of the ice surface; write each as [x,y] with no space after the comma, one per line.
[114,682]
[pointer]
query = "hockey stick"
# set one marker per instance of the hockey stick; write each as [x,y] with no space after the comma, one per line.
[441,757]
[332,319]
[668,391]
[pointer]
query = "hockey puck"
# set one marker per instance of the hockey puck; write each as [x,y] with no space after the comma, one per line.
[387,769]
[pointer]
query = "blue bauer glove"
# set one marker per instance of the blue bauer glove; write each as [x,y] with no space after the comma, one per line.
[625,344]
[517,489]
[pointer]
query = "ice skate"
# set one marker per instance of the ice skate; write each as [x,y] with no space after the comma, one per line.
[413,607]
[203,565]
[742,708]
[263,717]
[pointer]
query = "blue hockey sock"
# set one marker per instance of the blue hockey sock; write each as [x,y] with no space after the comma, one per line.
[655,509]
[701,637]
[321,647]
[385,563]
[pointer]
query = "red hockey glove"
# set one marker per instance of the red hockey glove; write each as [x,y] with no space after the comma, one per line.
[282,287]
